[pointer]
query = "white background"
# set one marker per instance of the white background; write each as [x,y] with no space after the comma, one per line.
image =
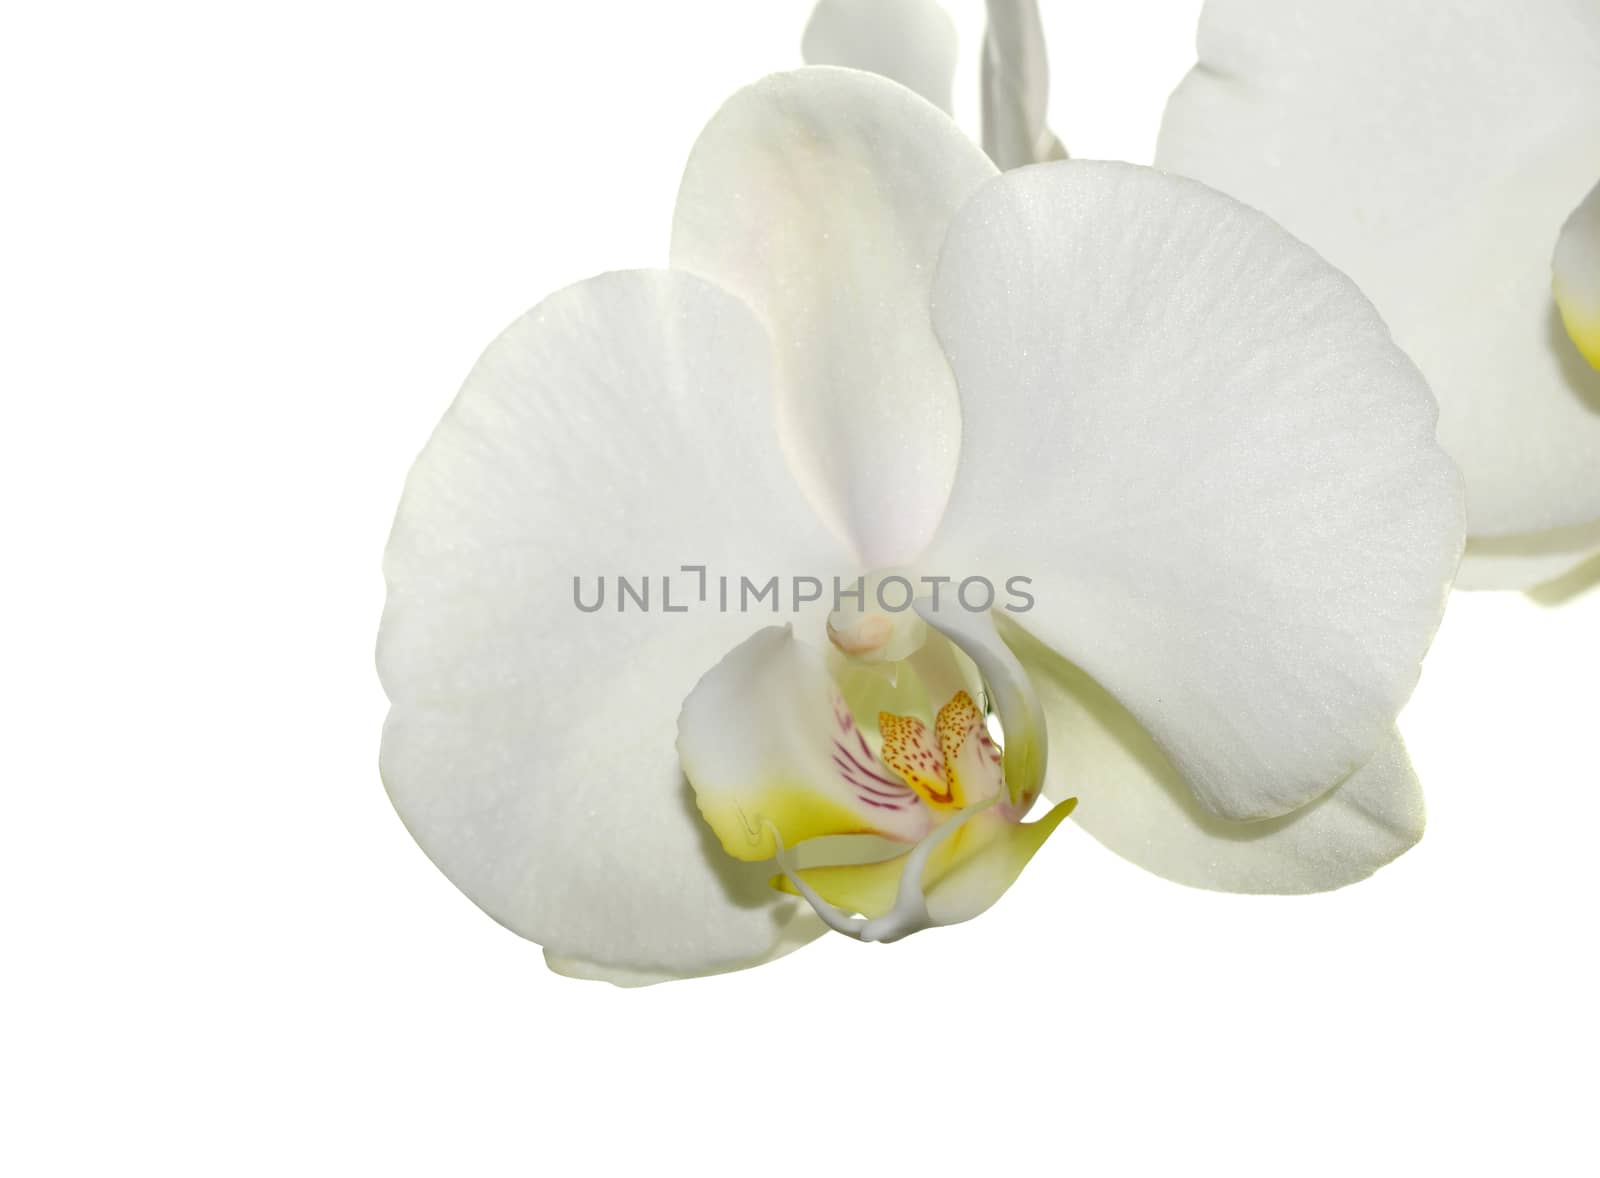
[247,254]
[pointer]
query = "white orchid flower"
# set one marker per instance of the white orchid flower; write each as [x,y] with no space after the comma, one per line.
[877,357]
[915,43]
[1440,152]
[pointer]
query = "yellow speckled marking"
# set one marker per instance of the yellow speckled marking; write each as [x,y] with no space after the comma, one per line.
[913,753]
[958,722]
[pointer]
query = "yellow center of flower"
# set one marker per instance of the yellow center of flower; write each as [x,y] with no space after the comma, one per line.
[867,769]
[954,765]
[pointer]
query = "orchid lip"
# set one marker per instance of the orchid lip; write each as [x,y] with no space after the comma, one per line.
[789,746]
[910,912]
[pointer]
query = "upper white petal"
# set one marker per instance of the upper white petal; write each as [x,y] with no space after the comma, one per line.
[912,41]
[1432,151]
[624,426]
[1134,802]
[1199,441]
[822,198]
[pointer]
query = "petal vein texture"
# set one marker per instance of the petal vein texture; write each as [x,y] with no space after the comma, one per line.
[1200,442]
[530,746]
[821,197]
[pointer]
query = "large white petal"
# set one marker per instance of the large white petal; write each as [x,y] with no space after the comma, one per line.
[800,926]
[1432,150]
[1134,802]
[822,198]
[624,426]
[1199,441]
[1016,87]
[911,41]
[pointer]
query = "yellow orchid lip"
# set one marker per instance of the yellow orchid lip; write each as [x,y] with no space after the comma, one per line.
[807,755]
[951,875]
[955,770]
[916,771]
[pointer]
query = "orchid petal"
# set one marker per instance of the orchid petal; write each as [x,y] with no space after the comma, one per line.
[1434,162]
[1135,803]
[800,926]
[822,198]
[1221,472]
[776,757]
[1016,87]
[912,42]
[530,746]
[1577,276]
